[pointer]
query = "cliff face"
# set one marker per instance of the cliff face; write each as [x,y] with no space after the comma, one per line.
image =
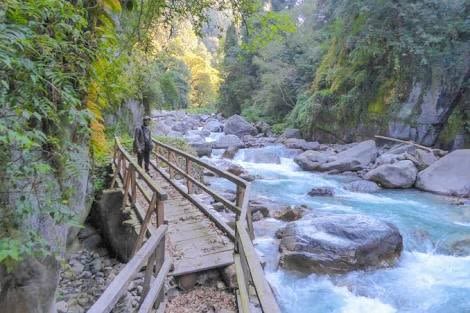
[31,284]
[425,113]
[393,68]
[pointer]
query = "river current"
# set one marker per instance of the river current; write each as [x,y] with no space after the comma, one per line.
[430,276]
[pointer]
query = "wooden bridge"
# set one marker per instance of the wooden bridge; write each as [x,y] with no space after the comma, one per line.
[169,206]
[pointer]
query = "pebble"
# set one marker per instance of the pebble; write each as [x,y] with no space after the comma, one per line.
[62,307]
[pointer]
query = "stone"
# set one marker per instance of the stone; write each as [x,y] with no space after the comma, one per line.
[290,213]
[236,169]
[264,128]
[291,133]
[202,149]
[311,160]
[62,307]
[77,267]
[338,244]
[108,215]
[355,158]
[229,276]
[180,127]
[322,191]
[230,152]
[187,282]
[265,155]
[424,158]
[226,141]
[96,265]
[449,175]
[294,143]
[362,186]
[34,282]
[401,174]
[265,206]
[257,216]
[238,126]
[213,126]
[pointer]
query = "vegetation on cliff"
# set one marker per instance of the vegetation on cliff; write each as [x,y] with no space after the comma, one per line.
[352,65]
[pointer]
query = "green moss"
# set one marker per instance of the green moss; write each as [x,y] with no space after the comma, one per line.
[379,105]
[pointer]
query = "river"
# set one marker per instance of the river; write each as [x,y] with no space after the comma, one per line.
[427,278]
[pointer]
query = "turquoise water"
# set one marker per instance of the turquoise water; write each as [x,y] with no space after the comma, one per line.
[427,278]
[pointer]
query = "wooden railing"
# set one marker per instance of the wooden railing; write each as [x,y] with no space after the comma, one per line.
[152,253]
[170,163]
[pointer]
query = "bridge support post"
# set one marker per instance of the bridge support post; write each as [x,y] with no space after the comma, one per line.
[189,167]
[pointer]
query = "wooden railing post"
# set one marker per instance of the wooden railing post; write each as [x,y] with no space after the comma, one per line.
[189,168]
[143,228]
[133,187]
[116,165]
[160,259]
[160,210]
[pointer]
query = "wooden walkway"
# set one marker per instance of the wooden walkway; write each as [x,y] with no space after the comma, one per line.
[181,230]
[196,243]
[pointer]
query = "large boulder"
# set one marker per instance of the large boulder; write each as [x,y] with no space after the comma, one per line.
[339,244]
[362,185]
[264,128]
[355,158]
[294,143]
[108,215]
[312,160]
[213,126]
[449,175]
[291,133]
[265,155]
[226,141]
[401,174]
[202,148]
[238,126]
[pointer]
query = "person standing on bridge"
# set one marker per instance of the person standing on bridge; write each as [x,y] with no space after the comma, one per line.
[143,143]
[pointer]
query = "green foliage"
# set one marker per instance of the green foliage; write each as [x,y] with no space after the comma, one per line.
[208,109]
[44,53]
[349,63]
[178,143]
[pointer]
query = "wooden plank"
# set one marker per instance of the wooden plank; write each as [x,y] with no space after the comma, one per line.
[187,266]
[263,290]
[229,231]
[409,142]
[155,288]
[118,286]
[208,190]
[244,300]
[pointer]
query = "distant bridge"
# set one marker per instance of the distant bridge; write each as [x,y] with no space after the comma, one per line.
[199,240]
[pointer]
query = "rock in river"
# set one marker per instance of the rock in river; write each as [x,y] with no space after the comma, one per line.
[238,126]
[353,159]
[401,174]
[339,243]
[227,141]
[449,175]
[311,160]
[362,185]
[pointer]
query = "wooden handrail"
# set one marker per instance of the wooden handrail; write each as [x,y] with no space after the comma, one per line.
[233,178]
[114,291]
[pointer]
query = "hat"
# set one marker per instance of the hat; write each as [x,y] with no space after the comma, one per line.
[147,118]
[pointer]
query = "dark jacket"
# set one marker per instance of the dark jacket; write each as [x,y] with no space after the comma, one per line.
[141,141]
